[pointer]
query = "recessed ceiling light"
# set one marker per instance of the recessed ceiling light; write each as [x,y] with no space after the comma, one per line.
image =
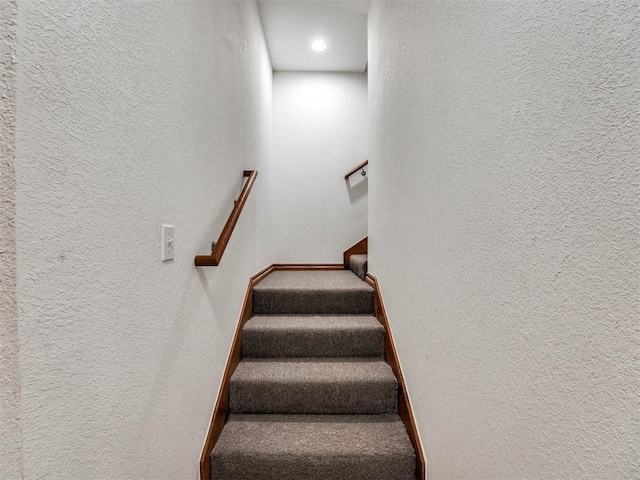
[319,45]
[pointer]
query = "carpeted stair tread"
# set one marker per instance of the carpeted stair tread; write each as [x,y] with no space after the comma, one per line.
[312,280]
[313,386]
[325,447]
[358,265]
[312,292]
[313,336]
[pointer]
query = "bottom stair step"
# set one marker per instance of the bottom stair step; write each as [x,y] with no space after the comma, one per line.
[313,447]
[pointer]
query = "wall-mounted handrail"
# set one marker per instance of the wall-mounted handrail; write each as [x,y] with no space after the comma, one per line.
[213,260]
[359,167]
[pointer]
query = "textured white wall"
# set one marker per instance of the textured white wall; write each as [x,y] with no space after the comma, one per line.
[10,449]
[319,134]
[504,214]
[132,114]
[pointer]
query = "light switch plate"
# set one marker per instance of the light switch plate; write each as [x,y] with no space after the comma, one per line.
[167,243]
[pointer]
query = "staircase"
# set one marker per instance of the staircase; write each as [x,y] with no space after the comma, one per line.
[312,397]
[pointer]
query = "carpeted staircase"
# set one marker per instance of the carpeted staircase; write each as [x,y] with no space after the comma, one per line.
[312,397]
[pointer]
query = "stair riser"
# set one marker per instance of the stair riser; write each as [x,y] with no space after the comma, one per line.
[337,468]
[313,398]
[286,344]
[312,302]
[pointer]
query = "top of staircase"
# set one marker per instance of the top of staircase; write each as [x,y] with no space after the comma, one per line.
[318,292]
[316,280]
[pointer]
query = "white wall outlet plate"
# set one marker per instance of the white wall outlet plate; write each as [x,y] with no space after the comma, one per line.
[167,242]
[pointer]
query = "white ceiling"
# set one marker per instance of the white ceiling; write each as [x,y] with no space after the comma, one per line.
[290,27]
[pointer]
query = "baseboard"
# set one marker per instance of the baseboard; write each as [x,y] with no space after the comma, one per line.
[391,356]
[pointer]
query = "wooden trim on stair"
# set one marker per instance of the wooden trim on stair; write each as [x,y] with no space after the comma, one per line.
[221,409]
[391,356]
[358,249]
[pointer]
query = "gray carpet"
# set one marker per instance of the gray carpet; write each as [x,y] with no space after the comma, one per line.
[302,447]
[312,397]
[313,336]
[312,292]
[359,264]
[331,386]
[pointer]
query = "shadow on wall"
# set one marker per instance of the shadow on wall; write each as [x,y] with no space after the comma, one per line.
[357,186]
